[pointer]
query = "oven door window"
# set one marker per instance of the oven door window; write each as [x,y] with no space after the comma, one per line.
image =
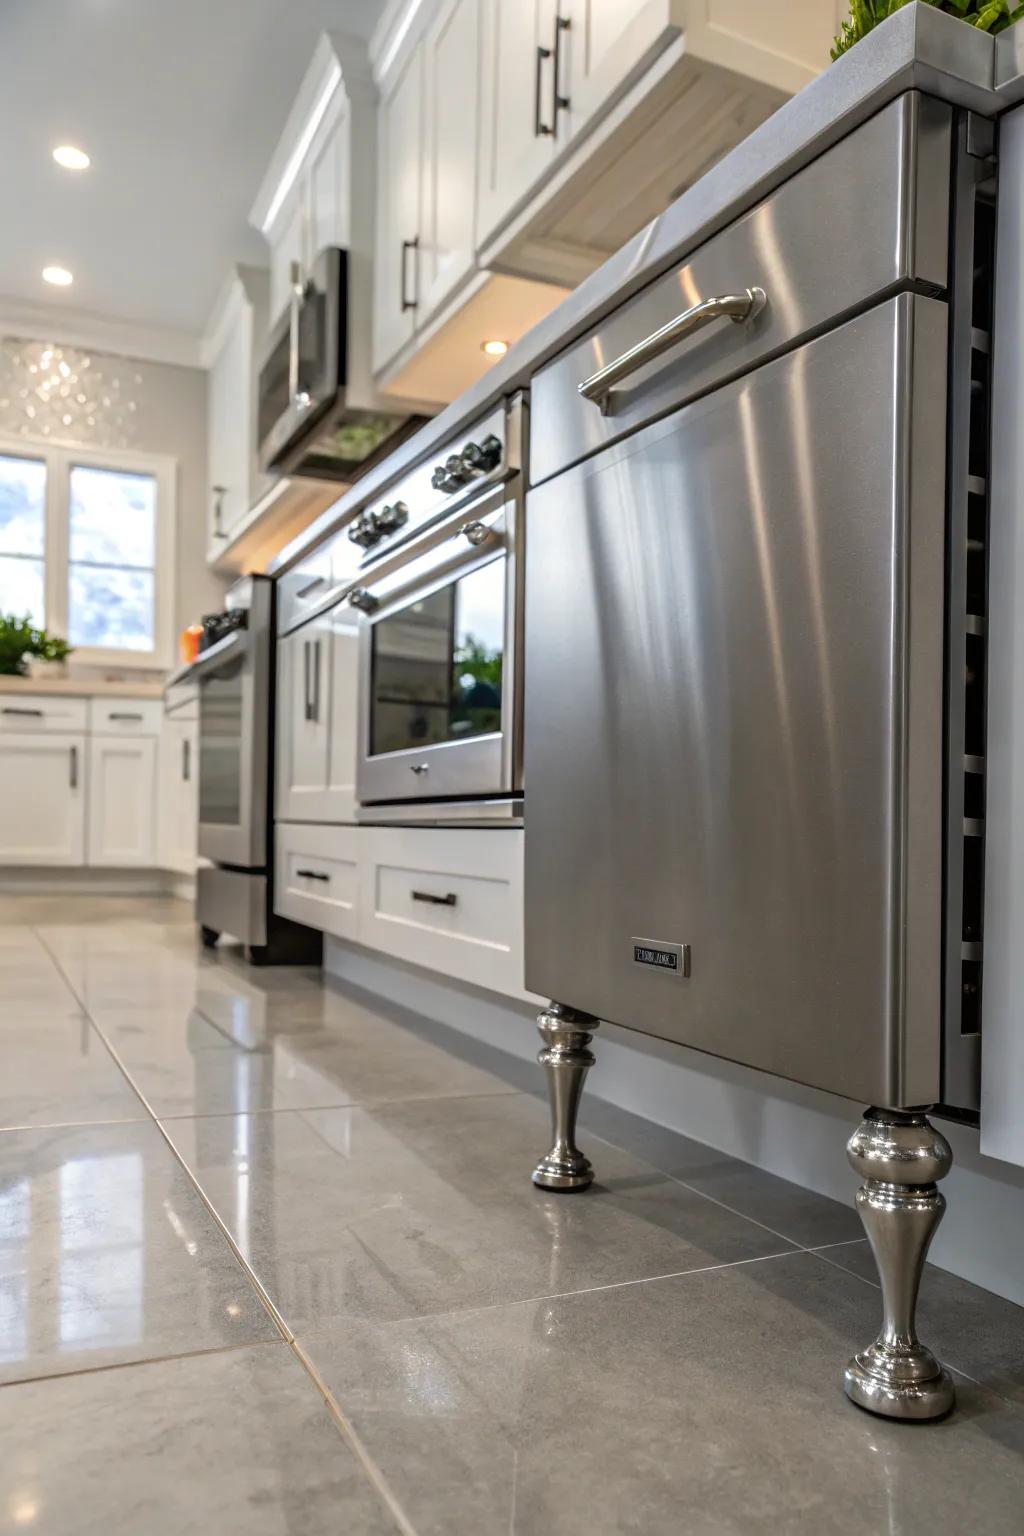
[220,746]
[436,665]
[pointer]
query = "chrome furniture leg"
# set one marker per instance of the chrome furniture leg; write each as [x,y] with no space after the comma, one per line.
[566,1034]
[900,1156]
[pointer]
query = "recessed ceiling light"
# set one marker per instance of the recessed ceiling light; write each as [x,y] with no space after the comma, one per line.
[494,348]
[71,157]
[60,277]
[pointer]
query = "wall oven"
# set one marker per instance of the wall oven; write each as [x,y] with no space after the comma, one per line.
[440,663]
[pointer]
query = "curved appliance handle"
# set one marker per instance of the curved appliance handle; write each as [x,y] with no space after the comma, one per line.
[479,539]
[738,307]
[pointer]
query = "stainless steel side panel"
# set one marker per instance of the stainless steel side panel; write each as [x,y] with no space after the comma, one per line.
[870,214]
[233,901]
[734,733]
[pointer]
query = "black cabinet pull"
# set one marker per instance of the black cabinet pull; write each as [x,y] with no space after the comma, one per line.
[73,768]
[540,129]
[451,900]
[314,708]
[186,759]
[559,102]
[123,715]
[407,246]
[307,709]
[311,874]
[10,710]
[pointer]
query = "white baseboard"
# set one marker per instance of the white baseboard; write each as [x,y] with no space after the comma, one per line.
[796,1132]
[44,880]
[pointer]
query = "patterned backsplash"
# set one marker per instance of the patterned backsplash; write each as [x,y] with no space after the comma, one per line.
[63,392]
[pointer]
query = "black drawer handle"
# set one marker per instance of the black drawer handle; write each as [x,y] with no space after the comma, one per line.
[451,900]
[123,715]
[36,713]
[311,874]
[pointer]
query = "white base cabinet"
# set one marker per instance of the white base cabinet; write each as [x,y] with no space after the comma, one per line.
[178,796]
[122,801]
[316,720]
[42,798]
[449,899]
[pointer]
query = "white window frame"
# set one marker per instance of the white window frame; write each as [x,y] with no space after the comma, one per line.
[60,458]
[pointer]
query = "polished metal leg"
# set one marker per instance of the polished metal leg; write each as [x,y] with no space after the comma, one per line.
[900,1156]
[566,1060]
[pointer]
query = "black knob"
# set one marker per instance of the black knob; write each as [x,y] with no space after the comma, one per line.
[439,477]
[387,519]
[480,457]
[363,532]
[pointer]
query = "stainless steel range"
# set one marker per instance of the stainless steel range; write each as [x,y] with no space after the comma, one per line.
[439,588]
[755,666]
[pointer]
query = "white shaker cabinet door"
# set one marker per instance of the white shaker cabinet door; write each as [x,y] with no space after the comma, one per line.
[42,799]
[178,797]
[400,161]
[122,801]
[451,64]
[341,777]
[303,722]
[518,125]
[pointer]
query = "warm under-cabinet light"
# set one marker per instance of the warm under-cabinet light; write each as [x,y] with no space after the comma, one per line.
[60,277]
[71,157]
[494,348]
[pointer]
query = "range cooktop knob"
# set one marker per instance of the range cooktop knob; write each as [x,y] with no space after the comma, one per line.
[481,457]
[363,532]
[439,479]
[389,519]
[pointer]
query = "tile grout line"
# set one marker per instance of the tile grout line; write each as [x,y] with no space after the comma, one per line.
[127,1365]
[341,1421]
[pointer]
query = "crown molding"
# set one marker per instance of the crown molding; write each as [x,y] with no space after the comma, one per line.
[397,32]
[99,333]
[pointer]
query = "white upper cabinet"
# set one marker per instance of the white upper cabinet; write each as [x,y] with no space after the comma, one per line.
[399,177]
[451,68]
[519,126]
[234,480]
[288,247]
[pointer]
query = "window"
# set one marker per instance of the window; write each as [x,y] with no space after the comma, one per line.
[87,549]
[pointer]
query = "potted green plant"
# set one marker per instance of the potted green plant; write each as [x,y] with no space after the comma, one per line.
[23,646]
[865,15]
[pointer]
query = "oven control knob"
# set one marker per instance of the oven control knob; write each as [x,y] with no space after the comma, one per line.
[478,458]
[363,600]
[439,478]
[388,519]
[363,531]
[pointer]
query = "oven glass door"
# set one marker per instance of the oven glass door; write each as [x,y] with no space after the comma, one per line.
[436,665]
[233,724]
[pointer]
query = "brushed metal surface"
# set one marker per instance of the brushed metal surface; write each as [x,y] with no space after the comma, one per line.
[889,226]
[233,901]
[734,653]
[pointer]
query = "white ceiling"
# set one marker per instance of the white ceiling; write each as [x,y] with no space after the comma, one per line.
[180,104]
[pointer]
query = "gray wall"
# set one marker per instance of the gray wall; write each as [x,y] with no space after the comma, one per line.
[99,400]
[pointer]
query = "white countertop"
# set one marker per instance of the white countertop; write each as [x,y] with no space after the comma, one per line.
[99,688]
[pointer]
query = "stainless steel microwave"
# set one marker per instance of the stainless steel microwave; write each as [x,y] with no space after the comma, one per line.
[318,413]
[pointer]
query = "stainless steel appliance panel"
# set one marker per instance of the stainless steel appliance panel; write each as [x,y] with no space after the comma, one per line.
[866,216]
[233,901]
[734,717]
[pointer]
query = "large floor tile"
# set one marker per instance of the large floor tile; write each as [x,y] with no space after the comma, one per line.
[56,1070]
[708,1404]
[237,1444]
[427,1205]
[107,1254]
[799,1214]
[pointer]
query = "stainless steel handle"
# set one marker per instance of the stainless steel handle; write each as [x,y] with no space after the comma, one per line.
[737,307]
[186,759]
[560,103]
[73,768]
[418,768]
[407,246]
[448,900]
[294,300]
[36,714]
[311,874]
[540,129]
[122,714]
[311,586]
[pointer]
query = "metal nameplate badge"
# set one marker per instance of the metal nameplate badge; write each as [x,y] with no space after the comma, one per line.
[669,959]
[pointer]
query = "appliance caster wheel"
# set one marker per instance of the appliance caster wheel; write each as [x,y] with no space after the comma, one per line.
[900,1156]
[566,1061]
[209,936]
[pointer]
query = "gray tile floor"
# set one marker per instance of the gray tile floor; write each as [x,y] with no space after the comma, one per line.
[270,1262]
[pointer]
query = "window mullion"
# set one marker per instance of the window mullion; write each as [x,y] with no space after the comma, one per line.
[58,469]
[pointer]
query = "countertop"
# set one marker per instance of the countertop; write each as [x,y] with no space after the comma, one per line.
[917,48]
[98,688]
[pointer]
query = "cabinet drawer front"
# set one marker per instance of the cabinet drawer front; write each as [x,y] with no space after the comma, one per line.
[447,899]
[182,701]
[301,592]
[889,227]
[125,717]
[26,712]
[317,877]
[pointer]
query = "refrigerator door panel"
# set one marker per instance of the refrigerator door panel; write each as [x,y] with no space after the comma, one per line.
[733,735]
